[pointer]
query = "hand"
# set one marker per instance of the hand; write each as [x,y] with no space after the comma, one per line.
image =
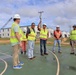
[20,44]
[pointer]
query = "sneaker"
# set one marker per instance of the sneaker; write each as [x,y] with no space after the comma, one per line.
[21,63]
[17,67]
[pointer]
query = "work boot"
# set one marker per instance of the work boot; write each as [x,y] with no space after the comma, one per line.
[72,53]
[45,53]
[42,54]
[59,52]
[24,52]
[32,58]
[21,52]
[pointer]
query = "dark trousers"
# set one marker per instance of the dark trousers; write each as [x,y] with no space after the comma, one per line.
[42,45]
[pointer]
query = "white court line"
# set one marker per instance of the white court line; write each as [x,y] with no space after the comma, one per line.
[4,62]
[58,64]
[5,67]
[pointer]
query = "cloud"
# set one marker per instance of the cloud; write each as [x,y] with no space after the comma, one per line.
[62,21]
[62,12]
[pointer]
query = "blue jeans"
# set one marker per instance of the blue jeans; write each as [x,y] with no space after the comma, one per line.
[42,44]
[59,45]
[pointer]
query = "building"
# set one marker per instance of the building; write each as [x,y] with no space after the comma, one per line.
[5,33]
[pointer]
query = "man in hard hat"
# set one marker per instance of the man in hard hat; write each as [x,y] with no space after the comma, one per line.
[15,39]
[43,38]
[57,37]
[73,39]
[31,36]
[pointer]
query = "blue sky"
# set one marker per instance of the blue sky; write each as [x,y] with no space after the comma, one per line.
[56,12]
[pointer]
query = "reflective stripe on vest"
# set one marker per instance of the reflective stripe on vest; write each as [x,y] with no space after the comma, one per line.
[57,33]
[32,35]
[43,34]
[73,35]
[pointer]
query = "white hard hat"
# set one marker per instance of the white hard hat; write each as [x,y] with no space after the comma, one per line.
[44,24]
[16,16]
[58,26]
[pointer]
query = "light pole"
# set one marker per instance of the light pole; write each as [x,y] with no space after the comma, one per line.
[41,17]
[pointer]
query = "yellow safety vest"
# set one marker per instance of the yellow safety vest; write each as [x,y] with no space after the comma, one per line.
[73,35]
[13,38]
[32,35]
[23,38]
[43,34]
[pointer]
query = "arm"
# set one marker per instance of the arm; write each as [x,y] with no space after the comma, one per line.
[54,35]
[39,25]
[16,30]
[28,32]
[61,35]
[17,36]
[48,35]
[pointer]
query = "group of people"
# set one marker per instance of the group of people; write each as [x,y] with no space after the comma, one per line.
[19,39]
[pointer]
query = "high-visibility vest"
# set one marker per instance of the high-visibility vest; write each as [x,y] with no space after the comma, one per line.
[13,38]
[43,34]
[57,33]
[73,35]
[23,38]
[32,35]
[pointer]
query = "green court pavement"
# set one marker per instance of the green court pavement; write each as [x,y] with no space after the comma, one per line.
[41,65]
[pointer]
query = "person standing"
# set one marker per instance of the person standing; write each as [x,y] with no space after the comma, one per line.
[57,37]
[16,41]
[43,38]
[31,36]
[73,39]
[23,40]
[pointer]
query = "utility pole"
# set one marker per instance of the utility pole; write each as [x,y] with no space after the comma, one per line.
[70,27]
[41,16]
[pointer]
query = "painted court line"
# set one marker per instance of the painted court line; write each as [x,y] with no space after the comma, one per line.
[58,64]
[4,62]
[5,67]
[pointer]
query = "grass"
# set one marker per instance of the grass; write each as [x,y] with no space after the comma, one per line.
[4,38]
[50,41]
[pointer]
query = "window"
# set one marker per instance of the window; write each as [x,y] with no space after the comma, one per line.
[3,30]
[8,29]
[8,34]
[3,34]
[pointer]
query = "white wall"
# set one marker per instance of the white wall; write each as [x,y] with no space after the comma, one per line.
[5,33]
